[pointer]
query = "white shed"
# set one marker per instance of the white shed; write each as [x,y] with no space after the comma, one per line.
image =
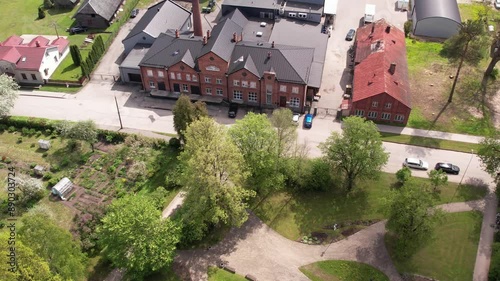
[435,18]
[63,188]
[44,144]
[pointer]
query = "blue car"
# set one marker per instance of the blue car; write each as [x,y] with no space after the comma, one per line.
[308,121]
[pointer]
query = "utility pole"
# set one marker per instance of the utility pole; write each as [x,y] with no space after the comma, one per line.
[55,27]
[119,116]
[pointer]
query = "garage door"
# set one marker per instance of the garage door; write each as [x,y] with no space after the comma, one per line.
[134,77]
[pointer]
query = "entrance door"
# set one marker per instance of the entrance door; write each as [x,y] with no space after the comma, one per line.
[282,101]
[161,86]
[195,90]
[177,88]
[134,77]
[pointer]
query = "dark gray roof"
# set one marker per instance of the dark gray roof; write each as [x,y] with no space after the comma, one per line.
[160,18]
[244,63]
[290,63]
[135,56]
[437,8]
[221,40]
[168,50]
[236,16]
[263,4]
[103,8]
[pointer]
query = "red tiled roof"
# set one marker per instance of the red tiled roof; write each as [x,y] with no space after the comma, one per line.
[61,43]
[378,45]
[9,54]
[31,58]
[13,40]
[42,41]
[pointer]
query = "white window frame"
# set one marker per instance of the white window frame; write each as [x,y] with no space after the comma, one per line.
[160,74]
[374,103]
[282,88]
[385,116]
[244,84]
[372,114]
[172,75]
[208,79]
[399,118]
[388,105]
[218,81]
[237,95]
[219,92]
[185,88]
[179,76]
[253,85]
[295,102]
[295,90]
[208,91]
[188,77]
[194,78]
[149,72]
[152,85]
[360,112]
[236,83]
[252,96]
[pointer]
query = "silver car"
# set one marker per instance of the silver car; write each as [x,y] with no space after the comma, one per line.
[415,164]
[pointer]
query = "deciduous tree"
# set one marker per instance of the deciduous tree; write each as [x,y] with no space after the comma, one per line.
[495,58]
[403,175]
[185,113]
[85,131]
[134,236]
[489,153]
[213,176]
[31,188]
[287,131]
[438,178]
[258,142]
[54,245]
[411,219]
[8,94]
[357,153]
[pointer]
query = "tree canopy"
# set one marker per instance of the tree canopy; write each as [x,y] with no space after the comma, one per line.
[287,131]
[134,236]
[54,245]
[214,176]
[8,94]
[357,153]
[489,153]
[85,131]
[185,113]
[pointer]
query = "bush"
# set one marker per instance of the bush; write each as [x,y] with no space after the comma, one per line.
[318,176]
[174,142]
[32,165]
[53,181]
[25,131]
[19,139]
[3,127]
[47,176]
[11,129]
[47,132]
[45,154]
[38,133]
[65,162]
[407,27]
[403,175]
[55,168]
[7,160]
[73,145]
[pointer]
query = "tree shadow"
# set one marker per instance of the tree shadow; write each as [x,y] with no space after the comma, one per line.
[56,11]
[69,68]
[439,114]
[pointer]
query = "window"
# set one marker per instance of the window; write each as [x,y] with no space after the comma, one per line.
[252,96]
[237,95]
[360,112]
[218,81]
[244,84]
[236,83]
[195,78]
[185,87]
[388,105]
[282,88]
[208,79]
[253,85]
[295,90]
[208,91]
[172,75]
[152,84]
[219,92]
[269,89]
[33,76]
[386,116]
[294,102]
[179,76]
[150,72]
[399,117]
[160,73]
[24,76]
[269,98]
[188,77]
[375,104]
[372,114]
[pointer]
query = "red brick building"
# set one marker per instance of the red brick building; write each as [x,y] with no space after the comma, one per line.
[381,90]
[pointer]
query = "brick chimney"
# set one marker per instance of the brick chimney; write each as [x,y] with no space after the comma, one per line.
[204,40]
[241,37]
[235,37]
[392,68]
[272,45]
[37,43]
[388,29]
[268,55]
[208,34]
[198,30]
[177,33]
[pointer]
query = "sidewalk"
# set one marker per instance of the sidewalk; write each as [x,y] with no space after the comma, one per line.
[429,134]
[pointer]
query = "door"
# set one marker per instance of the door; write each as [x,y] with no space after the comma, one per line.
[282,101]
[177,88]
[134,77]
[161,86]
[195,90]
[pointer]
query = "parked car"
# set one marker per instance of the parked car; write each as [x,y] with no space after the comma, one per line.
[447,168]
[308,121]
[233,110]
[350,35]
[77,29]
[497,4]
[415,164]
[134,13]
[295,118]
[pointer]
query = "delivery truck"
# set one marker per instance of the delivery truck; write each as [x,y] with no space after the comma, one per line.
[369,13]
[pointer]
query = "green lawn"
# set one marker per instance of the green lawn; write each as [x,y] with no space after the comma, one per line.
[421,55]
[217,274]
[294,215]
[430,142]
[451,255]
[334,270]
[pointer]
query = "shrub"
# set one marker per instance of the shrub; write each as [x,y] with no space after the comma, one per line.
[403,175]
[45,154]
[11,129]
[32,165]
[19,139]
[38,133]
[318,176]
[8,160]
[407,27]
[3,127]
[174,142]
[47,176]
[55,168]
[53,181]
[47,132]
[65,162]
[32,145]
[31,132]
[73,145]
[25,131]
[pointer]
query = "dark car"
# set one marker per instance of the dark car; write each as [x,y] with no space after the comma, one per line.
[308,121]
[77,29]
[447,168]
[350,35]
[233,110]
[134,13]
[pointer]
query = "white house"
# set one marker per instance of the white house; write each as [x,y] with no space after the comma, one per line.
[31,59]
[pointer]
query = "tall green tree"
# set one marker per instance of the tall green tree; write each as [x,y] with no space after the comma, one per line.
[466,46]
[8,94]
[134,236]
[54,245]
[403,175]
[258,143]
[75,55]
[286,129]
[489,153]
[29,267]
[438,178]
[357,153]
[495,58]
[213,176]
[411,219]
[185,113]
[85,131]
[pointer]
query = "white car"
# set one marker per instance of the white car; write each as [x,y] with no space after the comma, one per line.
[497,4]
[295,119]
[415,164]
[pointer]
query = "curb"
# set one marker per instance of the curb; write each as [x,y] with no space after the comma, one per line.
[43,96]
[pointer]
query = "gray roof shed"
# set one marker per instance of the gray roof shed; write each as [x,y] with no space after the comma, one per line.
[435,18]
[104,8]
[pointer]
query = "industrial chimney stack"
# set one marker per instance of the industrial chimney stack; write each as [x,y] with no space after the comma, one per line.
[198,30]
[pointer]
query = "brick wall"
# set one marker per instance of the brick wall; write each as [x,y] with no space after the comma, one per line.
[382,105]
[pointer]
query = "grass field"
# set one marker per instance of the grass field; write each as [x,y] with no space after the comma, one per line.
[430,142]
[294,215]
[451,255]
[217,274]
[342,271]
